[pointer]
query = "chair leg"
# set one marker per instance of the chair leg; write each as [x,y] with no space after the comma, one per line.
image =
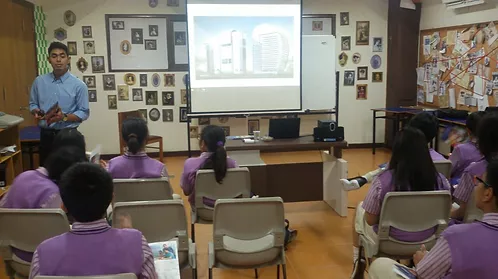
[278,271]
[210,273]
[256,273]
[161,153]
[194,273]
[284,270]
[192,228]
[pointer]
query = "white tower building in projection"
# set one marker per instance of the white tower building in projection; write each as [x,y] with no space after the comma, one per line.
[227,55]
[271,50]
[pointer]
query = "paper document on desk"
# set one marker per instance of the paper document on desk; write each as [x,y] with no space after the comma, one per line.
[166,259]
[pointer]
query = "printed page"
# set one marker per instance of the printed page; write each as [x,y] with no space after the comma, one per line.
[95,154]
[166,259]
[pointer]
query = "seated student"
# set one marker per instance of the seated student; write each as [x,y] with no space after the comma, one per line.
[463,251]
[213,156]
[466,153]
[411,169]
[92,247]
[38,188]
[135,163]
[425,122]
[487,142]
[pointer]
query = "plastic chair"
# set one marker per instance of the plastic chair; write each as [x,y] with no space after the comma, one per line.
[150,140]
[161,221]
[236,184]
[115,276]
[444,167]
[248,234]
[153,189]
[472,213]
[410,212]
[25,229]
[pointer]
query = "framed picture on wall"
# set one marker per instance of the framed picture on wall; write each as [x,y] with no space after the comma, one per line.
[151,43]
[252,125]
[361,92]
[183,114]
[344,18]
[318,24]
[362,33]
[362,73]
[349,78]
[346,43]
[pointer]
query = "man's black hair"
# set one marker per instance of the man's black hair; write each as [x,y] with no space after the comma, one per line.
[57,45]
[86,191]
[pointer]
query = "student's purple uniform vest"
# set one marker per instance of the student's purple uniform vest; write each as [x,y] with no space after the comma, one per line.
[31,189]
[141,166]
[192,165]
[474,250]
[387,185]
[463,155]
[113,251]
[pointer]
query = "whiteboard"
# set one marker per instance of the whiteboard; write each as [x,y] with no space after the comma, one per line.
[318,72]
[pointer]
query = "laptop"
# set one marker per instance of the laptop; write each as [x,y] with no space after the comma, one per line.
[285,128]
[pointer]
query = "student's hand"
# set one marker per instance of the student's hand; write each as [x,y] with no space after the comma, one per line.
[124,221]
[419,255]
[103,164]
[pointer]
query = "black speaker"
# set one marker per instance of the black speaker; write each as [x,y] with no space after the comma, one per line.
[327,134]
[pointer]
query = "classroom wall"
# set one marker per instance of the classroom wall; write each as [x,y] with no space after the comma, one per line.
[101,128]
[435,14]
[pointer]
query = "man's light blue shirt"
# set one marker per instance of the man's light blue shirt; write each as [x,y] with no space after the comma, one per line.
[70,92]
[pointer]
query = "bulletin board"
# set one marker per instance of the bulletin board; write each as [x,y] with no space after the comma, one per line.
[146,43]
[458,67]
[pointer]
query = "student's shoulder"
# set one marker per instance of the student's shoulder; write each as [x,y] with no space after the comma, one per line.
[476,168]
[77,81]
[459,229]
[51,245]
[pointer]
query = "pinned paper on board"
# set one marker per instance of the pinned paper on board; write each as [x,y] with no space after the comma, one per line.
[482,103]
[470,101]
[460,48]
[427,45]
[452,101]
[492,33]
[451,37]
[420,76]
[420,96]
[442,89]
[429,95]
[461,98]
[478,85]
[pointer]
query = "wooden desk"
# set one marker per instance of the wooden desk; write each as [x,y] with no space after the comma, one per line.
[295,182]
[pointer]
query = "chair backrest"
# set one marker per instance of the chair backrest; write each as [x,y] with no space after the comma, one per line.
[151,189]
[157,220]
[444,167]
[412,212]
[121,117]
[236,184]
[115,276]
[472,213]
[249,219]
[25,229]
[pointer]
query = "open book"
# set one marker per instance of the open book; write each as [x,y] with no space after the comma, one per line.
[166,259]
[94,155]
[404,272]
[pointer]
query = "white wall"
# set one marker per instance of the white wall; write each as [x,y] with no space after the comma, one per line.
[435,14]
[102,128]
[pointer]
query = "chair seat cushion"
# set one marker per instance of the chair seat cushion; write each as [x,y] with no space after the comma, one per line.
[248,246]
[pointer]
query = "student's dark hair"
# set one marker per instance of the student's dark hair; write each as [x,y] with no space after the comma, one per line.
[86,191]
[214,139]
[57,45]
[487,136]
[427,123]
[69,137]
[411,162]
[134,132]
[63,158]
[492,177]
[473,121]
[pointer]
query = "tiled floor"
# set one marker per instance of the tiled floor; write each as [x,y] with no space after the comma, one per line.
[323,248]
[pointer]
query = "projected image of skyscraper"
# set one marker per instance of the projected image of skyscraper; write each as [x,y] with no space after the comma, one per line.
[227,55]
[270,52]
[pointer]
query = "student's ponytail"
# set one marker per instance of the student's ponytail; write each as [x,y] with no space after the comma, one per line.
[219,159]
[214,139]
[134,132]
[133,144]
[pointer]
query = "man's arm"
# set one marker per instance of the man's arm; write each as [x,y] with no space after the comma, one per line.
[83,111]
[34,105]
[148,268]
[35,267]
[436,263]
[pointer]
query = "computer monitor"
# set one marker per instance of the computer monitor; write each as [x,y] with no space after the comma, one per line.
[286,128]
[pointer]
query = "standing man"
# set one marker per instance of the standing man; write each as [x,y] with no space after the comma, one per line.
[58,100]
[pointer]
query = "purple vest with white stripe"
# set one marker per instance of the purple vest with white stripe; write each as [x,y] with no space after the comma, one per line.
[474,250]
[112,251]
[124,167]
[30,190]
